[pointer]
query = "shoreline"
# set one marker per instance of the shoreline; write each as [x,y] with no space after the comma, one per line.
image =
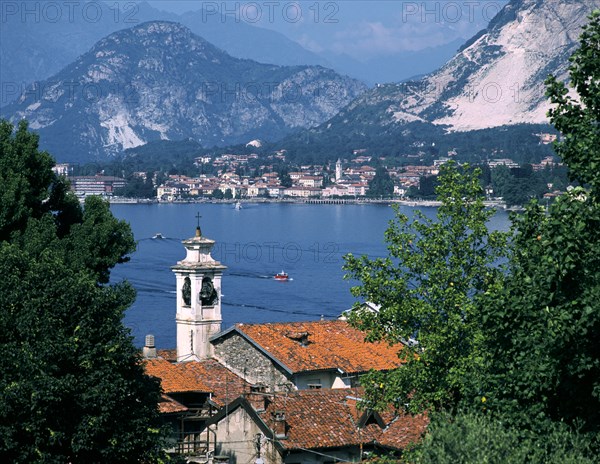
[312,201]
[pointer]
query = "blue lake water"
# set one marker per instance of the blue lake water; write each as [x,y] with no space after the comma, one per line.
[306,241]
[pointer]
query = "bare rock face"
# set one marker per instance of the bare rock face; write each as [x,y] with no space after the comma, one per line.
[495,79]
[159,81]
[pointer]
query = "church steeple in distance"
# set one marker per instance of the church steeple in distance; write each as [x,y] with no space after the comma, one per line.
[198,314]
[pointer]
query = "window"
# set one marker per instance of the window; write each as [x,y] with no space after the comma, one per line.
[314,384]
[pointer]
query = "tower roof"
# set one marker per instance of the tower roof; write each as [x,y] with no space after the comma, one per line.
[198,249]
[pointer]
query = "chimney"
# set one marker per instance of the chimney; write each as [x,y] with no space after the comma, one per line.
[257,401]
[279,424]
[149,350]
[258,397]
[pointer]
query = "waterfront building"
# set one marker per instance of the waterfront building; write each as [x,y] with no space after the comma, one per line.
[62,169]
[84,186]
[311,181]
[302,192]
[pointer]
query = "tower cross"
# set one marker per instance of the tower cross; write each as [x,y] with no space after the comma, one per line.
[198,231]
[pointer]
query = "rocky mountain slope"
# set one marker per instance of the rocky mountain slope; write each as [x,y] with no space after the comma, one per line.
[39,39]
[496,79]
[159,81]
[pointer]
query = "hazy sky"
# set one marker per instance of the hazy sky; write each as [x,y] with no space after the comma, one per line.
[358,28]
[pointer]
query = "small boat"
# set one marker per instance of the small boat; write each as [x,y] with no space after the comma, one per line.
[281,276]
[238,205]
[158,236]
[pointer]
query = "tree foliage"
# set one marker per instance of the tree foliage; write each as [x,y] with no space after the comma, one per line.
[381,185]
[544,358]
[544,321]
[517,350]
[73,387]
[474,438]
[578,117]
[428,290]
[138,187]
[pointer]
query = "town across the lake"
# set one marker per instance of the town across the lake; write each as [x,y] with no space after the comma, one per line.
[360,178]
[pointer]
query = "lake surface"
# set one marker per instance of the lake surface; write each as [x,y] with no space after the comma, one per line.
[306,241]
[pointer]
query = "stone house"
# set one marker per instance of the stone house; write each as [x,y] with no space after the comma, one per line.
[311,181]
[301,355]
[193,392]
[309,426]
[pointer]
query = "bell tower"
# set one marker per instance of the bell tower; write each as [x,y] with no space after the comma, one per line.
[198,298]
[338,170]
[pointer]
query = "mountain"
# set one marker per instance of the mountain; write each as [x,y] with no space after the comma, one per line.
[495,80]
[159,81]
[39,39]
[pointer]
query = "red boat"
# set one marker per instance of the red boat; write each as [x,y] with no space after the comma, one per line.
[281,276]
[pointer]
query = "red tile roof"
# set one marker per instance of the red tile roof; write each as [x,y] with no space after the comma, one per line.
[174,378]
[168,405]
[404,430]
[206,376]
[330,418]
[319,345]
[224,384]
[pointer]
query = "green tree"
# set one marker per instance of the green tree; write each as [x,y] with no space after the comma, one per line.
[578,118]
[381,185]
[428,290]
[474,438]
[137,187]
[544,321]
[285,180]
[518,186]
[29,188]
[427,186]
[73,386]
[501,179]
[544,358]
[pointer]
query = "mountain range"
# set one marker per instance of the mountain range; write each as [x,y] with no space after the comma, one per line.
[159,81]
[39,39]
[495,80]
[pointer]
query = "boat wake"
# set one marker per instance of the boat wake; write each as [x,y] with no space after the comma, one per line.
[250,275]
[273,310]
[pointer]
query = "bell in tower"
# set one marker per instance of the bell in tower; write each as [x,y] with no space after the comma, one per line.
[198,298]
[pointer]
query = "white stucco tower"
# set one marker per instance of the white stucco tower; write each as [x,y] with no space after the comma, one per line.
[198,298]
[338,170]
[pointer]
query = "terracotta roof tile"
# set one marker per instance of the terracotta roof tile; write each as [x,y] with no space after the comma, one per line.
[329,418]
[174,378]
[206,376]
[316,345]
[224,384]
[403,430]
[168,405]
[169,355]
